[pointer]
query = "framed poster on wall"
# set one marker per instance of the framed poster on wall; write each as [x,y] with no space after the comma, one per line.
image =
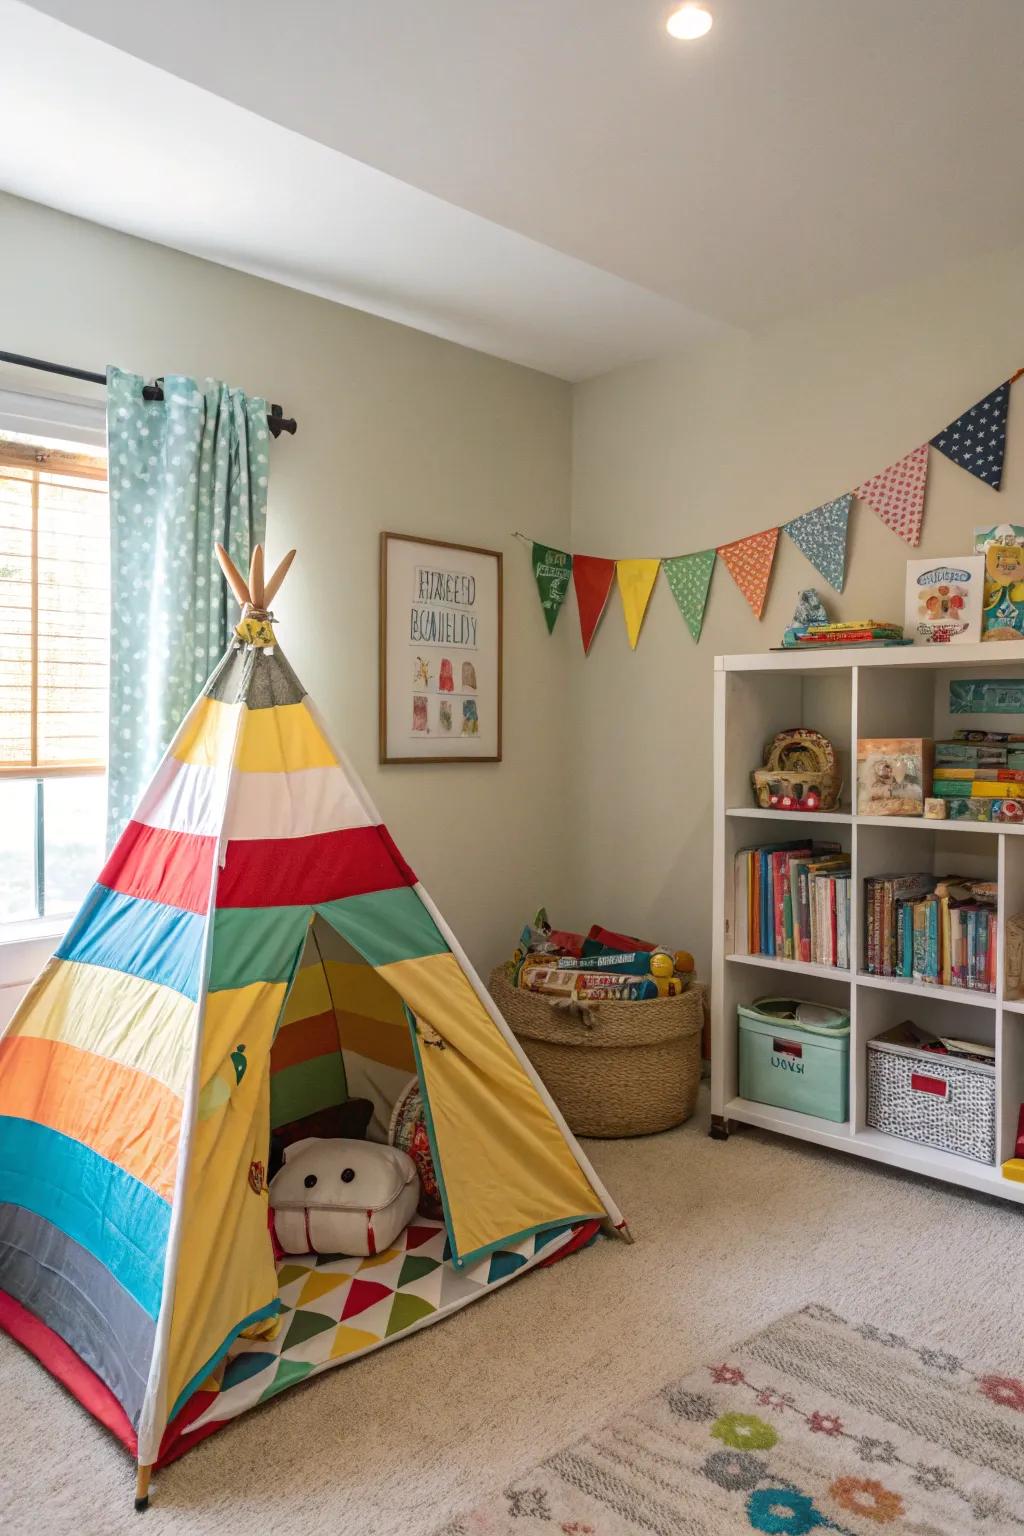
[440,651]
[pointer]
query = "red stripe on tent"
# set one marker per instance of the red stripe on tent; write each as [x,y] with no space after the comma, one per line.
[69,1369]
[172,867]
[303,871]
[306,1038]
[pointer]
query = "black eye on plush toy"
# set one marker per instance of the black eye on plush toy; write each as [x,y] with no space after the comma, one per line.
[347,1175]
[309,1180]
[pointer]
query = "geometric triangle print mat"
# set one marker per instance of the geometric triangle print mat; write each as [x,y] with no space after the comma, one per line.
[337,1308]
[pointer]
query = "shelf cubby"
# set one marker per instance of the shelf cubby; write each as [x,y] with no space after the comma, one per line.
[849,695]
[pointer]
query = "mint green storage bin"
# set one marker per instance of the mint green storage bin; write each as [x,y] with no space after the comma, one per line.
[801,1064]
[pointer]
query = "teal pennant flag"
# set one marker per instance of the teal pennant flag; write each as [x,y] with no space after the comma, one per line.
[821,536]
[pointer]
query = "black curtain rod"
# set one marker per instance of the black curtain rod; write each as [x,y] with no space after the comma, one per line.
[277,421]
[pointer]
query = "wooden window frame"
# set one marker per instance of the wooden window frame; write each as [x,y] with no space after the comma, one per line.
[41,462]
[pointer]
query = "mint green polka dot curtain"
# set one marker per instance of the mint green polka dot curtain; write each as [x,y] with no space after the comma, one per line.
[184,472]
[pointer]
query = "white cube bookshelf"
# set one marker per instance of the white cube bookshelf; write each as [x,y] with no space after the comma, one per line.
[850,694]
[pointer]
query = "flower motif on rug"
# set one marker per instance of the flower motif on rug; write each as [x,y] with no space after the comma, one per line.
[877,1450]
[940,1360]
[744,1432]
[528,1503]
[824,1423]
[735,1471]
[1007,1391]
[868,1498]
[769,1398]
[933,1479]
[782,1512]
[726,1375]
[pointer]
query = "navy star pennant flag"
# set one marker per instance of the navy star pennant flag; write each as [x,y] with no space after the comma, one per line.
[821,536]
[977,439]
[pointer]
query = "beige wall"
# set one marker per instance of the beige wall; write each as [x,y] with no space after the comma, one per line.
[680,455]
[396,430]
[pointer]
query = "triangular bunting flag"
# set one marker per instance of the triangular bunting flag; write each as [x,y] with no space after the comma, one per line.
[821,536]
[689,577]
[636,580]
[750,565]
[592,577]
[977,439]
[551,571]
[897,494]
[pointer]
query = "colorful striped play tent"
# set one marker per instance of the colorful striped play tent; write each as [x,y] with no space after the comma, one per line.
[255,949]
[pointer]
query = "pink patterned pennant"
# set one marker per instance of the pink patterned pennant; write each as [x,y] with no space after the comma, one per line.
[897,494]
[750,565]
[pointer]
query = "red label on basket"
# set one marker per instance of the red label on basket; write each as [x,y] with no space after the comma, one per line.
[787,1048]
[936,1085]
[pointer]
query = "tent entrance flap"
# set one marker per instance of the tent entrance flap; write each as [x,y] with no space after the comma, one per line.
[504,1163]
[343,1036]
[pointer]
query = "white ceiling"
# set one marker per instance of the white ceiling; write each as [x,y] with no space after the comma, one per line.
[552,180]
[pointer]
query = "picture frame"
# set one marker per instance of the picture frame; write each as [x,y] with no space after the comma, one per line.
[441,651]
[943,604]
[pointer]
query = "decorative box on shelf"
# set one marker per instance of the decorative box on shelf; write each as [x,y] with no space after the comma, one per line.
[800,773]
[894,775]
[941,1101]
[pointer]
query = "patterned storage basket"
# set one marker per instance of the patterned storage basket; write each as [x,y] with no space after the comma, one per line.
[629,1070]
[938,1100]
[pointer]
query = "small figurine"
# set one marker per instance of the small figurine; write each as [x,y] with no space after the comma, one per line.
[809,609]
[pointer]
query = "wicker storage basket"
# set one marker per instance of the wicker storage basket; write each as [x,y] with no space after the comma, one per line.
[630,1069]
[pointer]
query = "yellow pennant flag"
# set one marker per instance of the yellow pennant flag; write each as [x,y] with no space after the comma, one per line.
[636,580]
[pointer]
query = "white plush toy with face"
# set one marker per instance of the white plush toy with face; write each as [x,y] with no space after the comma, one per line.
[351,1197]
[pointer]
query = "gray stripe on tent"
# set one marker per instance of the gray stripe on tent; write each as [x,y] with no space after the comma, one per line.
[255,679]
[72,1293]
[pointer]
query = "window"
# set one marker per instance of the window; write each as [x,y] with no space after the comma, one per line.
[54,638]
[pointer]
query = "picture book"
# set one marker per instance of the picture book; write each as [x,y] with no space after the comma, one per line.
[944,600]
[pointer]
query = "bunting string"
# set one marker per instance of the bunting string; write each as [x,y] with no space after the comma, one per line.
[975,441]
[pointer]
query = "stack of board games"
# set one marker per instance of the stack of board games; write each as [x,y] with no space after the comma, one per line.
[980,776]
[936,931]
[792,902]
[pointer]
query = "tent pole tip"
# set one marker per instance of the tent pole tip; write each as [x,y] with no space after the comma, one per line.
[142,1489]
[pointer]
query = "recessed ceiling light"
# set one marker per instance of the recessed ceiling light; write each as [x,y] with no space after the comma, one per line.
[689,22]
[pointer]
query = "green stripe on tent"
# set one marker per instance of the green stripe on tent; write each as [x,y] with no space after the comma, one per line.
[386,925]
[256,944]
[306,1087]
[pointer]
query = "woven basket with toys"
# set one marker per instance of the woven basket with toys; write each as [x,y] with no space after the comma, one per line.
[612,1024]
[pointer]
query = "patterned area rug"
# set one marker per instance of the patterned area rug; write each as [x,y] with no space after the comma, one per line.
[814,1425]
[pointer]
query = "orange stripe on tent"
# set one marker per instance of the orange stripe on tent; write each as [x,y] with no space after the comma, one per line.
[385,1043]
[122,1115]
[303,1039]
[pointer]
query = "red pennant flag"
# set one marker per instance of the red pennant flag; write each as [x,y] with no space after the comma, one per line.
[750,565]
[592,577]
[896,494]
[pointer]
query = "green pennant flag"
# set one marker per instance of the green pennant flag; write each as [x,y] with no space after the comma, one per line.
[689,576]
[552,570]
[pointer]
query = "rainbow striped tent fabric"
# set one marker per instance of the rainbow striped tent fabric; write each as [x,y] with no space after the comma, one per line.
[256,949]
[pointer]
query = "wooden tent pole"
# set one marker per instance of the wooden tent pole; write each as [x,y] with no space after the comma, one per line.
[142,1488]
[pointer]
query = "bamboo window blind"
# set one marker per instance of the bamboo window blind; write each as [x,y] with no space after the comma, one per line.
[54,611]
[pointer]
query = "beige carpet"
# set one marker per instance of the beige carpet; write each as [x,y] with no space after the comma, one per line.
[730,1236]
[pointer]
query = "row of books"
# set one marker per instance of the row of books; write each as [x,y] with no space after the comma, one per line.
[940,932]
[792,902]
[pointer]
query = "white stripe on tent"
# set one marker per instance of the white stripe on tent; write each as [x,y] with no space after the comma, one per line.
[614,1214]
[183,797]
[297,804]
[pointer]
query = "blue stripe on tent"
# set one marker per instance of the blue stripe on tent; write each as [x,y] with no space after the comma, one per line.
[139,937]
[115,1218]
